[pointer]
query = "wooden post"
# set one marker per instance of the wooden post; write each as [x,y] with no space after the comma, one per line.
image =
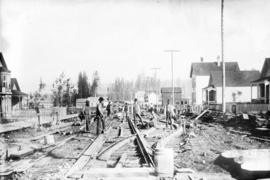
[222,59]
[265,93]
[208,97]
[268,92]
[251,93]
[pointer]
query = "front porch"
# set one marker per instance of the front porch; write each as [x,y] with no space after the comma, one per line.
[263,86]
[17,99]
[209,95]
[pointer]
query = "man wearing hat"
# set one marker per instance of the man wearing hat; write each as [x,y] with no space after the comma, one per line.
[137,111]
[99,116]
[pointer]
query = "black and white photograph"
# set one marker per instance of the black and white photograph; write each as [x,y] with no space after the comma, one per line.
[134,89]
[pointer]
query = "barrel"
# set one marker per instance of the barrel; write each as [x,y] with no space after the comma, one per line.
[164,161]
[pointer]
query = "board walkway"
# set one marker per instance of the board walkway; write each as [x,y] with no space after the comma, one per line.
[14,126]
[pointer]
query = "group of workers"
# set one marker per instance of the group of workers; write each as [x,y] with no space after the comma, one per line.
[100,110]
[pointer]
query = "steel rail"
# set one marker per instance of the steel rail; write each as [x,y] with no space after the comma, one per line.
[145,152]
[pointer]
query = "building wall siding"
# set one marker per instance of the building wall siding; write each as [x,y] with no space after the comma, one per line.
[244,97]
[201,82]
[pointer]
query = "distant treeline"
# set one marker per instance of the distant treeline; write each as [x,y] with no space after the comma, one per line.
[122,89]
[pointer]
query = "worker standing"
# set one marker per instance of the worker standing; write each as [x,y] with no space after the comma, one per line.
[109,109]
[38,115]
[125,114]
[137,111]
[87,114]
[99,116]
[169,114]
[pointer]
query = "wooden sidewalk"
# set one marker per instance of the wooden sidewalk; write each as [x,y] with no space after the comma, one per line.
[14,126]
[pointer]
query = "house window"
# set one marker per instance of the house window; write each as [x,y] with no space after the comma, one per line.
[212,95]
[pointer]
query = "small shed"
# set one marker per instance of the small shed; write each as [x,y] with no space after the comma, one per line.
[167,94]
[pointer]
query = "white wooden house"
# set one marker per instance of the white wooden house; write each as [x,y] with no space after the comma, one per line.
[237,87]
[200,74]
[262,83]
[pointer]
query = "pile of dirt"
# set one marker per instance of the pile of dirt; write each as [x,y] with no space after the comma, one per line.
[204,142]
[238,122]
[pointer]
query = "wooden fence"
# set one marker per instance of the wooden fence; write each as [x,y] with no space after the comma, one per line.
[240,107]
[28,113]
[244,108]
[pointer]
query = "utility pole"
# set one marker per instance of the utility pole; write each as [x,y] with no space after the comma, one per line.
[222,59]
[155,69]
[171,52]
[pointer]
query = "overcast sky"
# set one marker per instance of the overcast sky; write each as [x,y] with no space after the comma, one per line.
[121,38]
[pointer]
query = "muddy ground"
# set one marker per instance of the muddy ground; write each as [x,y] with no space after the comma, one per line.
[203,143]
[197,149]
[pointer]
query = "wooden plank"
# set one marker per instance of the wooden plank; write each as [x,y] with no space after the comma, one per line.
[19,153]
[95,146]
[239,132]
[89,153]
[68,116]
[14,126]
[200,115]
[260,139]
[59,127]
[121,161]
[22,125]
[113,173]
[203,175]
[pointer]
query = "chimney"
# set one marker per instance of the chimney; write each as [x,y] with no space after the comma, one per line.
[201,59]
[218,61]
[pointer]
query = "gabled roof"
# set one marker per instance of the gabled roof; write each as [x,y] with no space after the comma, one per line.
[265,73]
[233,78]
[3,65]
[14,83]
[204,68]
[169,90]
[261,80]
[18,93]
[266,68]
[15,88]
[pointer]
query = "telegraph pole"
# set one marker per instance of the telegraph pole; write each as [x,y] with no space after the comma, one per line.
[171,52]
[155,69]
[222,59]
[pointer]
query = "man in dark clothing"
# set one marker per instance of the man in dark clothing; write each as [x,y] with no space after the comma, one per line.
[99,116]
[137,111]
[108,108]
[125,114]
[169,114]
[38,115]
[87,113]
